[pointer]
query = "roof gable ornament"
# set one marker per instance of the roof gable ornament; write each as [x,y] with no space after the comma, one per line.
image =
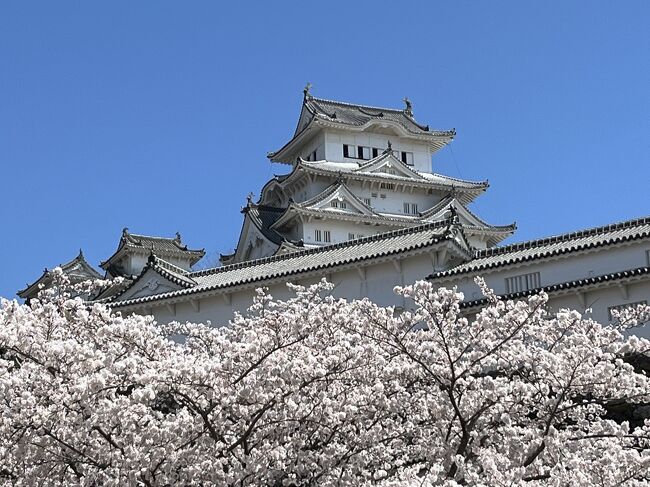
[306,92]
[408,109]
[389,149]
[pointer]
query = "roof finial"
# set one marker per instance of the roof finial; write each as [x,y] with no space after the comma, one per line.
[249,199]
[178,237]
[389,149]
[81,254]
[125,231]
[454,215]
[305,91]
[409,106]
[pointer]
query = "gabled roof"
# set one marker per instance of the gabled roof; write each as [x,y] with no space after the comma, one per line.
[337,190]
[167,270]
[549,247]
[472,224]
[261,217]
[465,190]
[282,266]
[322,112]
[78,269]
[158,245]
[388,159]
[363,213]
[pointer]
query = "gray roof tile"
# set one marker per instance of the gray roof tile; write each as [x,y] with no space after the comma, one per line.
[258,271]
[553,246]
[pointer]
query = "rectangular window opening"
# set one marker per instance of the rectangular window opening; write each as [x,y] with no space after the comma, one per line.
[523,282]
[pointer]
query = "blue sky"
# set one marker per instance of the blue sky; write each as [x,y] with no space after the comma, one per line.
[158,115]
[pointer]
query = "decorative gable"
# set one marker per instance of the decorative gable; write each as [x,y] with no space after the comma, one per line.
[148,284]
[389,165]
[339,199]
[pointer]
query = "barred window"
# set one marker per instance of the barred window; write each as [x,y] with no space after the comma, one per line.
[318,235]
[523,282]
[327,236]
[410,208]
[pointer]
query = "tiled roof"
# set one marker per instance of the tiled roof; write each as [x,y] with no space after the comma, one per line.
[553,246]
[353,114]
[324,112]
[565,286]
[263,217]
[157,245]
[258,271]
[351,170]
[78,269]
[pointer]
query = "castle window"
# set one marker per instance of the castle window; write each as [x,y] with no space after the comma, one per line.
[375,152]
[318,235]
[327,236]
[410,208]
[366,201]
[350,151]
[523,282]
[647,258]
[312,156]
[382,196]
[363,152]
[407,158]
[350,236]
[334,203]
[387,186]
[374,195]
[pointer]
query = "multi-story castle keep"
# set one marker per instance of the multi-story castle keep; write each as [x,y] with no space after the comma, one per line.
[362,207]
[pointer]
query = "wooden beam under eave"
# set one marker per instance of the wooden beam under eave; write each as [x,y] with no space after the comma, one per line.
[171,308]
[582,298]
[397,264]
[227,298]
[623,288]
[196,304]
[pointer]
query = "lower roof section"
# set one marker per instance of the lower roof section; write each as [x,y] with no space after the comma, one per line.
[570,286]
[533,250]
[282,266]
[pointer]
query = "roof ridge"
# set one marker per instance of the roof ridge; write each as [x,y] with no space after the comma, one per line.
[316,250]
[357,105]
[471,185]
[563,237]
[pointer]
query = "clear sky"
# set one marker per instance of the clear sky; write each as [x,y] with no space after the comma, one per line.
[158,115]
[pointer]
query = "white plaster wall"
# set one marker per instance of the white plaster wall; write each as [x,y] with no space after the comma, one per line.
[571,267]
[317,143]
[380,279]
[136,262]
[335,139]
[339,230]
[378,284]
[394,201]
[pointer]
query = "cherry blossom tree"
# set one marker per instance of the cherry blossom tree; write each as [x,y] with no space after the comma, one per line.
[320,391]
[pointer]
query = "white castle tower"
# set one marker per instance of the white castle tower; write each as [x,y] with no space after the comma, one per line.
[357,171]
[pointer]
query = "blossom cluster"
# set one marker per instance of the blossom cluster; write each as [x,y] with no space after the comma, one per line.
[316,390]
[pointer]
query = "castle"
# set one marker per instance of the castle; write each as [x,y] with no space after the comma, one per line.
[362,206]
